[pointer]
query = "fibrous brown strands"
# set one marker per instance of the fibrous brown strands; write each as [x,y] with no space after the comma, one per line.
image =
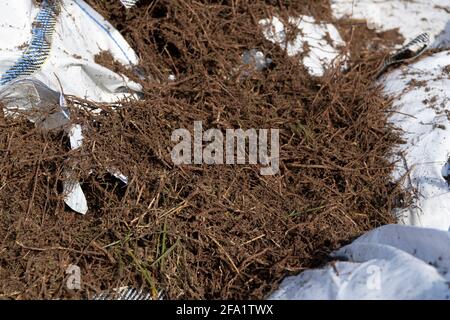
[198,231]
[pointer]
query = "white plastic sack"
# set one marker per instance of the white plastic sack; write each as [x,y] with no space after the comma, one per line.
[391,262]
[79,35]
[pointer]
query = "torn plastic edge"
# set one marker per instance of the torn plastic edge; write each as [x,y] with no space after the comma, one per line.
[118,175]
[129,3]
[408,52]
[74,196]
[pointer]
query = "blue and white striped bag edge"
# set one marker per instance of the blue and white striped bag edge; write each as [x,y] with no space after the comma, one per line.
[129,3]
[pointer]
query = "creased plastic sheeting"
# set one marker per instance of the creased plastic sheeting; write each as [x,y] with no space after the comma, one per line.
[80,34]
[391,262]
[421,108]
[68,66]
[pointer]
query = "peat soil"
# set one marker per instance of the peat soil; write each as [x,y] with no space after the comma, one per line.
[202,231]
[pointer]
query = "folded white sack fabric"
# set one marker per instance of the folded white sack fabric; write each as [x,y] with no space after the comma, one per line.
[391,262]
[408,17]
[78,36]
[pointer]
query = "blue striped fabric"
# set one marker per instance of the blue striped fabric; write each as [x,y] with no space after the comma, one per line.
[39,48]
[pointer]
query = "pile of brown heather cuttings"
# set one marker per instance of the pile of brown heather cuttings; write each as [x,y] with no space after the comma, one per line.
[198,231]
